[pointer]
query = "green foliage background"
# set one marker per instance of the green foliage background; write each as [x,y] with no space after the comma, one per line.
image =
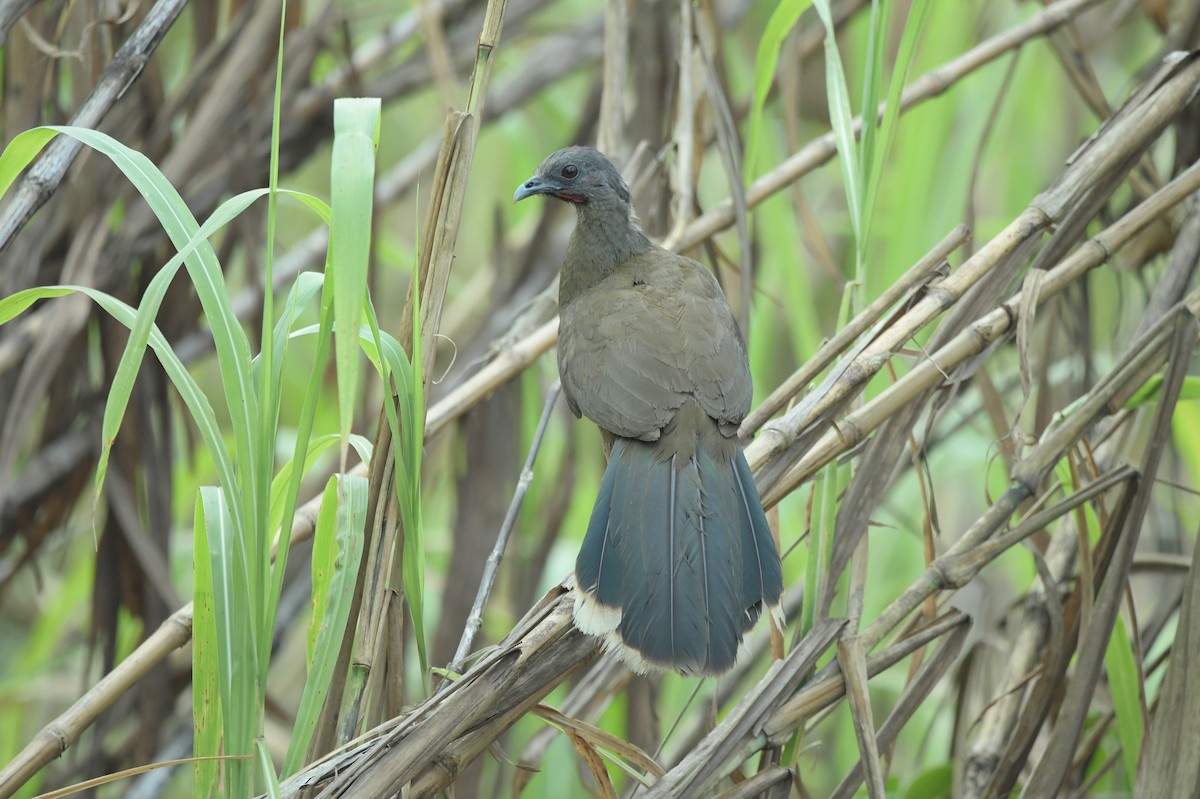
[74,602]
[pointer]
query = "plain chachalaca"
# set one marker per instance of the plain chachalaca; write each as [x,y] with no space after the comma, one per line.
[678,561]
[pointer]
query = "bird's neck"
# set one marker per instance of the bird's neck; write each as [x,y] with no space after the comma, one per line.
[606,236]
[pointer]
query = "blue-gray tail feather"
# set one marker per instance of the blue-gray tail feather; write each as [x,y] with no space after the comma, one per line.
[682,549]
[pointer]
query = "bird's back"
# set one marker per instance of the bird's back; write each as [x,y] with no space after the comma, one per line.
[652,334]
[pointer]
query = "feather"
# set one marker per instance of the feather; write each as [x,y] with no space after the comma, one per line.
[677,521]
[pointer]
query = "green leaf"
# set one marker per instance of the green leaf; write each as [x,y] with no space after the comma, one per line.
[783,19]
[304,291]
[16,304]
[235,636]
[914,25]
[356,128]
[233,350]
[1124,681]
[337,553]
[266,767]
[20,153]
[1148,393]
[308,410]
[206,705]
[872,81]
[841,117]
[317,446]
[189,390]
[135,347]
[936,782]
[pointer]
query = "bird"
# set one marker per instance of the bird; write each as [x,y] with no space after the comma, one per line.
[678,561]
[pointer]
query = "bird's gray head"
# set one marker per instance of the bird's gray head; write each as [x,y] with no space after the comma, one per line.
[578,175]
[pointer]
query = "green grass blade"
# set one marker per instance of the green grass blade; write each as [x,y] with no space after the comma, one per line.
[918,13]
[1125,684]
[318,445]
[135,347]
[330,280]
[14,305]
[266,767]
[407,422]
[872,81]
[304,291]
[189,390]
[337,553]
[414,537]
[779,25]
[1150,390]
[841,117]
[352,186]
[235,631]
[268,389]
[315,204]
[20,153]
[232,347]
[308,411]
[206,705]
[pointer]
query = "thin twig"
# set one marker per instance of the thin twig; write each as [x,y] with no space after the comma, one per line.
[51,168]
[492,568]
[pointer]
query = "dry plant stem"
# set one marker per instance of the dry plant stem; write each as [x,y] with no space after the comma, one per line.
[388,41]
[979,54]
[1053,766]
[398,764]
[691,728]
[105,693]
[770,451]
[726,745]
[558,662]
[475,619]
[46,175]
[548,627]
[597,735]
[853,428]
[1128,134]
[1174,728]
[587,700]
[55,737]
[807,159]
[611,135]
[928,85]
[760,782]
[580,47]
[10,12]
[966,557]
[995,730]
[683,170]
[928,675]
[119,680]
[835,346]
[1105,156]
[730,150]
[540,653]
[338,761]
[384,550]
[851,657]
[829,686]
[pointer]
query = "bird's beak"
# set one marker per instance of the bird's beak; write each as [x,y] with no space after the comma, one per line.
[535,185]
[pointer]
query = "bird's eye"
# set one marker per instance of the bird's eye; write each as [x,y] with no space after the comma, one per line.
[570,172]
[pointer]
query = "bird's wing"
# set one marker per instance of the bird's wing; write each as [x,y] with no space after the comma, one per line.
[658,331]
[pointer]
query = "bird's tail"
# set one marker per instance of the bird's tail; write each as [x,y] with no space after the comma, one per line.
[678,561]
